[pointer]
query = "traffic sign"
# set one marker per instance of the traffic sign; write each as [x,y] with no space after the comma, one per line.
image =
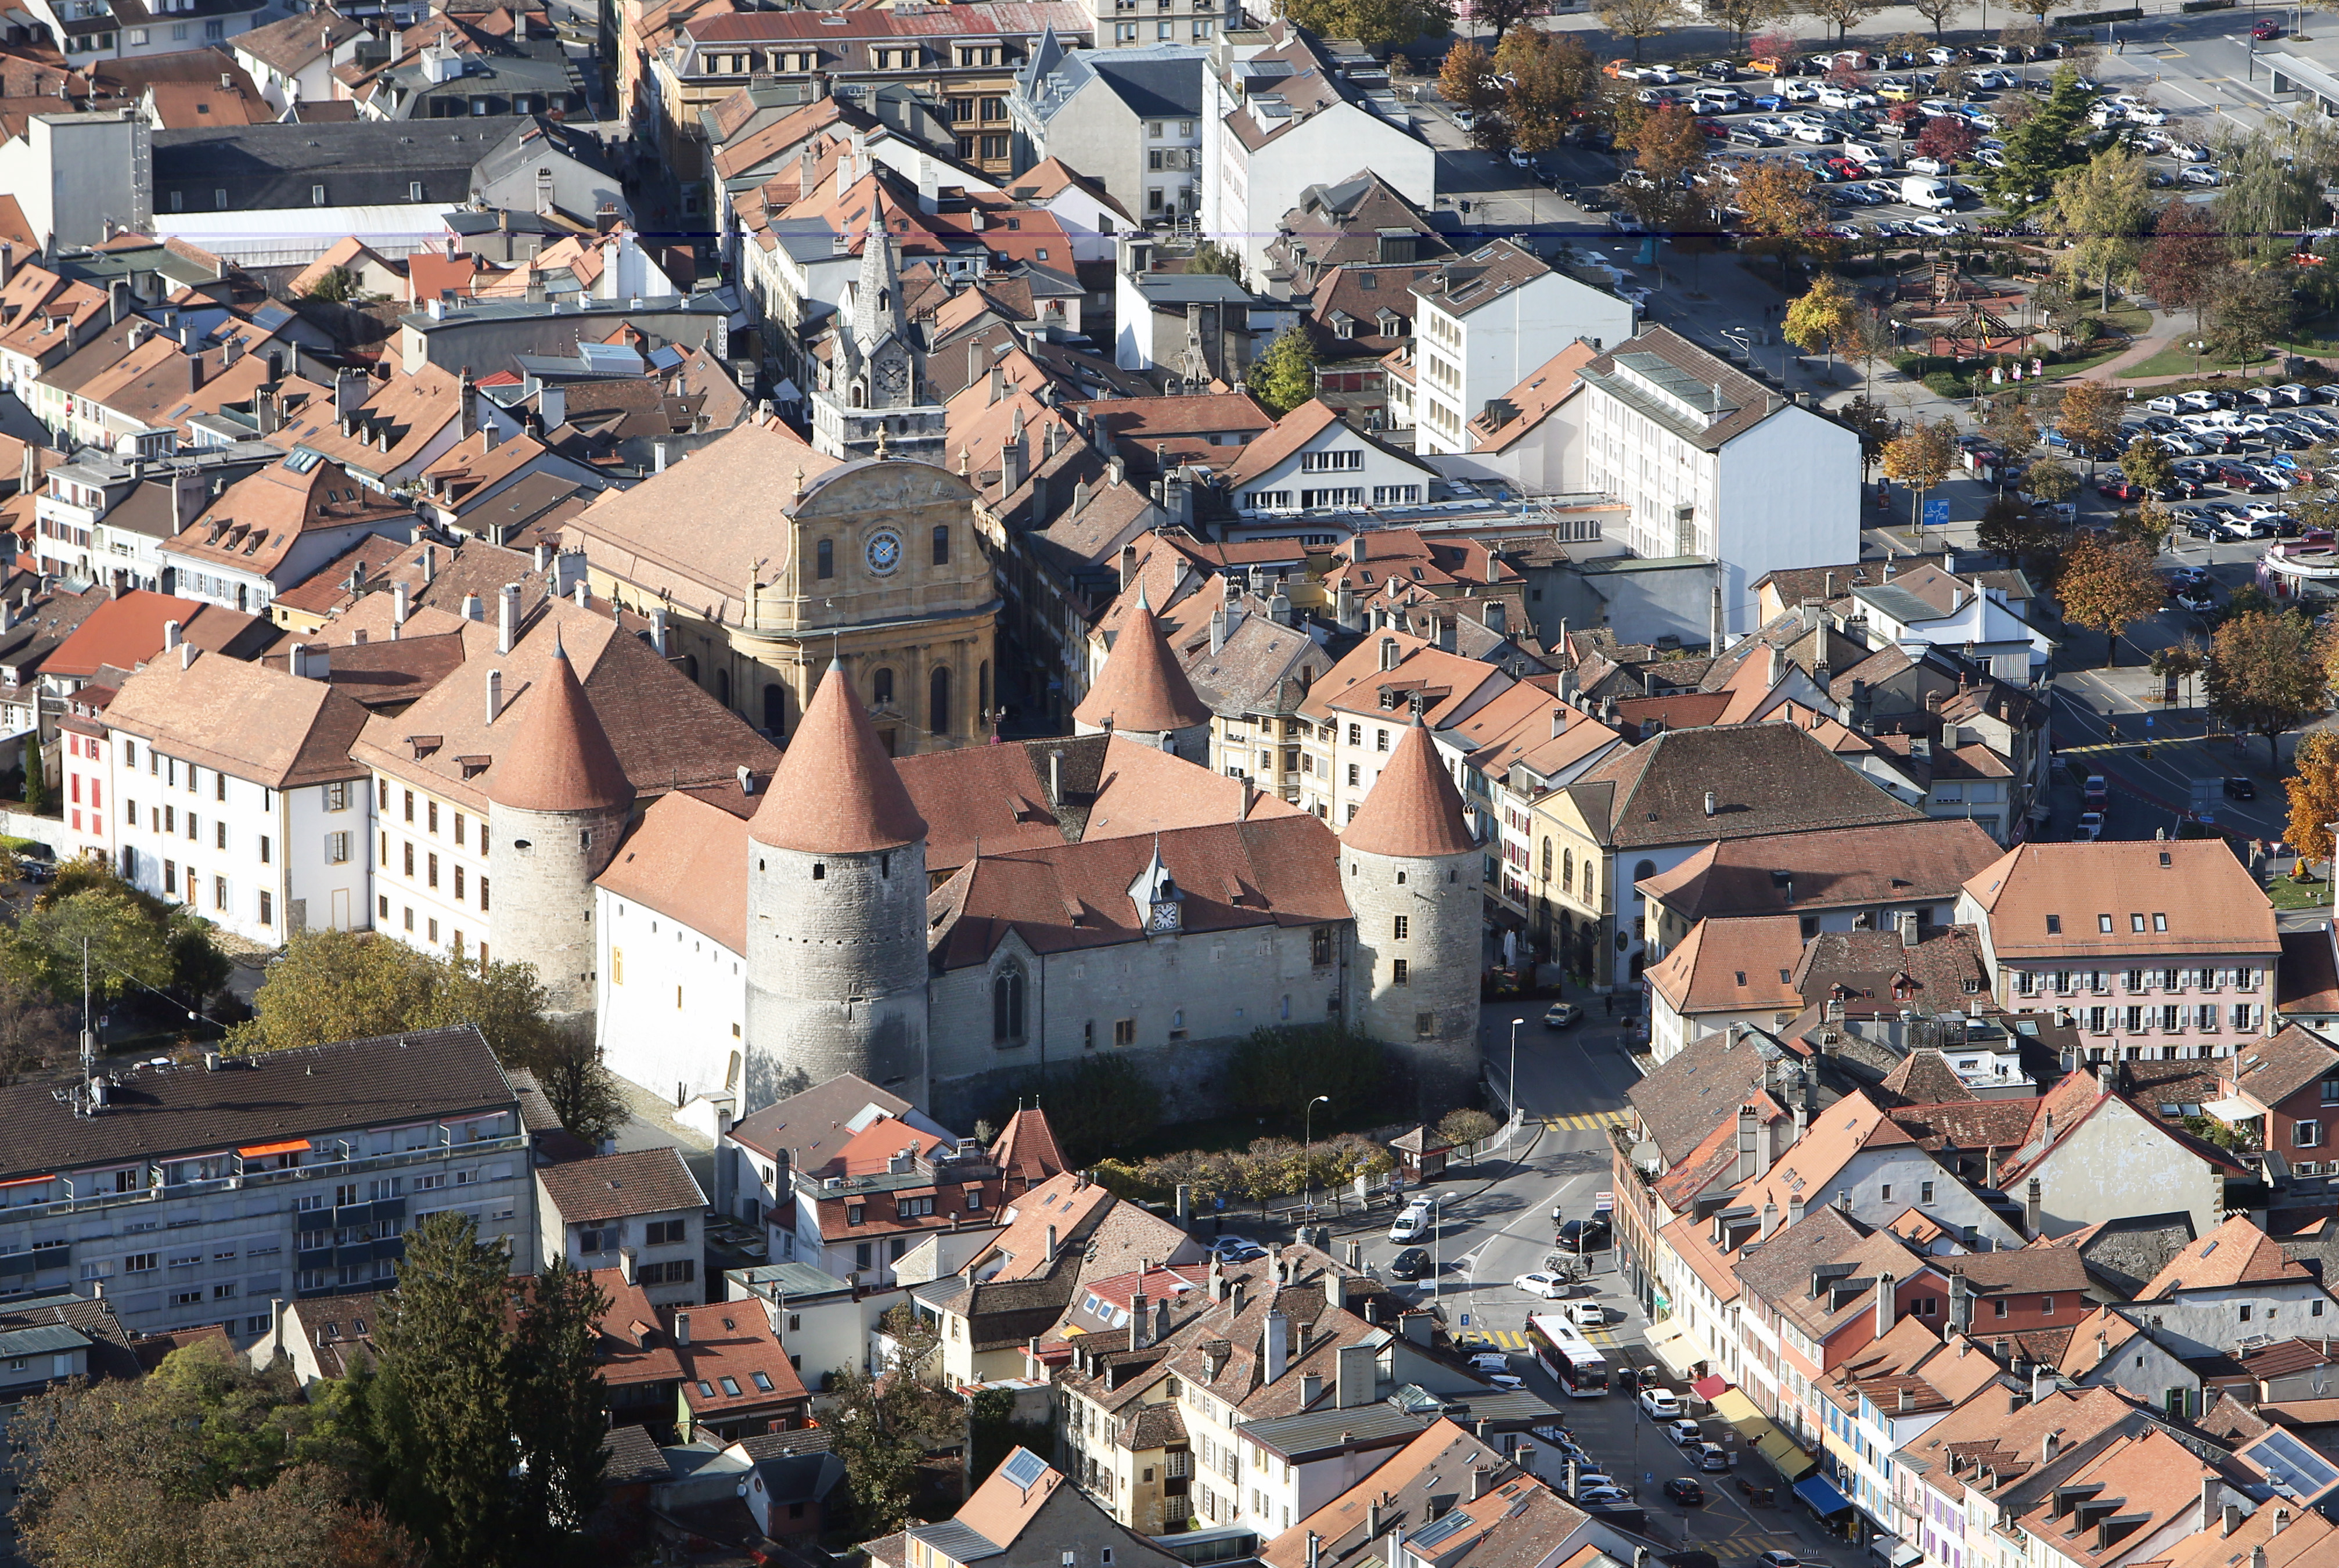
[1466,1320]
[1602,1202]
[1937,513]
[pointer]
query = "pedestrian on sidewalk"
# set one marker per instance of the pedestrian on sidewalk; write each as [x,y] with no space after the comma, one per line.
[1608,1004]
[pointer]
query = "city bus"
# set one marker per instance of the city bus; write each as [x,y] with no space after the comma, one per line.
[1561,1350]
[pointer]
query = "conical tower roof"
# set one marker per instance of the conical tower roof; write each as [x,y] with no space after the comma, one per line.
[835,791]
[561,759]
[1414,809]
[1142,688]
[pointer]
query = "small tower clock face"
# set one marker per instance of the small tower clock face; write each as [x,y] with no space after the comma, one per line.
[891,377]
[884,551]
[1164,915]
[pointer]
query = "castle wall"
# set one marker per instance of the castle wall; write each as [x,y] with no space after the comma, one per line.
[1431,1015]
[671,1004]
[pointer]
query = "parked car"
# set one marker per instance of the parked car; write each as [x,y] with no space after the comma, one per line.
[1490,1361]
[1685,1432]
[1566,1014]
[2200,601]
[2200,174]
[1777,1560]
[1582,1235]
[1711,1457]
[1599,1495]
[2267,28]
[1543,1286]
[1660,1404]
[1237,1248]
[2241,789]
[1681,1489]
[2091,825]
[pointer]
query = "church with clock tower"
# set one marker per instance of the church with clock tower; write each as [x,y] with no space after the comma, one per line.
[872,390]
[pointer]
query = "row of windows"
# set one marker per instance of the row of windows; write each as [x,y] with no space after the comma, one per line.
[428,862]
[2031,982]
[429,813]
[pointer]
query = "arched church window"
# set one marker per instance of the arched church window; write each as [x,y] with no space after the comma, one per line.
[881,688]
[824,558]
[776,708]
[941,544]
[1007,1006]
[938,702]
[722,688]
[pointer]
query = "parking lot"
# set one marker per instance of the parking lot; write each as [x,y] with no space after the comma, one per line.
[1833,116]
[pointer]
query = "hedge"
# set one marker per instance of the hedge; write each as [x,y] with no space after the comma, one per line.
[2206,5]
[2091,18]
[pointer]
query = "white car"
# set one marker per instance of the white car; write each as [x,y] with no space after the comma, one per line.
[1663,75]
[1937,228]
[1817,135]
[1507,1382]
[1660,1404]
[1685,1432]
[2199,175]
[1799,91]
[1771,125]
[1587,1314]
[1927,166]
[2091,825]
[1490,1361]
[1980,119]
[1940,56]
[1413,1224]
[1992,81]
[1546,1286]
[2189,152]
[1599,1495]
[2148,115]
[1942,107]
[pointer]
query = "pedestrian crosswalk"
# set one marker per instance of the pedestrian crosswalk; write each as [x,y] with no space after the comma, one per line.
[1589,1121]
[1516,1339]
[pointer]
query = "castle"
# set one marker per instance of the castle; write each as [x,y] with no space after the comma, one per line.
[934,922]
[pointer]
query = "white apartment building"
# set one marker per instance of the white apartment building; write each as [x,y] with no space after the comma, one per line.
[1484,321]
[1711,464]
[641,1212]
[232,791]
[205,1194]
[1312,459]
[276,529]
[1358,712]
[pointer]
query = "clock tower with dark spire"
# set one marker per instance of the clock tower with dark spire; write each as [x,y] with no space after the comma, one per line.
[874,382]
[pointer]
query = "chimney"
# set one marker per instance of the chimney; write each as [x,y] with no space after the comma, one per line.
[746,780]
[625,1264]
[1960,1304]
[473,610]
[1794,1211]
[495,694]
[657,457]
[2042,1382]
[506,617]
[2031,1209]
[1770,1219]
[682,1329]
[1311,1388]
[430,565]
[1749,1130]
[1356,1371]
[1219,627]
[171,631]
[1884,1306]
[1908,928]
[187,652]
[1238,1295]
[1277,1355]
[1710,802]
[1051,1244]
[1141,1319]
[401,602]
[1478,1475]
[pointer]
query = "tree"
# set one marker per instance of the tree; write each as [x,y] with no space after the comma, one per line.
[1548,79]
[2015,531]
[1502,16]
[2275,177]
[338,285]
[583,1093]
[559,1402]
[2044,145]
[2249,313]
[1938,12]
[1209,256]
[882,1426]
[1285,375]
[443,1345]
[1781,206]
[1641,20]
[2090,415]
[2008,422]
[2028,37]
[127,939]
[2186,259]
[2179,662]
[1873,426]
[1466,79]
[1099,1104]
[1775,44]
[1845,14]
[32,1032]
[2266,674]
[2050,481]
[1386,23]
[2314,790]
[36,779]
[1951,138]
[1920,458]
[2101,213]
[1467,1129]
[2148,463]
[1822,318]
[1743,16]
[1277,1070]
[2109,585]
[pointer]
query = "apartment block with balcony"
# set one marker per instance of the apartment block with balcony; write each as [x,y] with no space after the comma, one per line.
[2163,950]
[205,1193]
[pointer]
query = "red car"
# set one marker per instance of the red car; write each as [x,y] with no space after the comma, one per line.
[1713,128]
[2268,28]
[1845,169]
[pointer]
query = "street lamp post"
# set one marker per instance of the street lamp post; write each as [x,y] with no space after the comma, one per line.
[1512,1092]
[1436,1249]
[1307,1157]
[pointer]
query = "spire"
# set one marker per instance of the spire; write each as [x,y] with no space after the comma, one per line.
[1414,810]
[1140,688]
[560,758]
[835,790]
[873,322]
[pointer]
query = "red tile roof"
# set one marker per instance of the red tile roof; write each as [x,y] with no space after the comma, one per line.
[835,790]
[1414,810]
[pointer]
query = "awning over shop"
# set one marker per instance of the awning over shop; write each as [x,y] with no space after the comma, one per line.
[1710,1388]
[1673,1346]
[1821,1495]
[2232,1108]
[1766,1439]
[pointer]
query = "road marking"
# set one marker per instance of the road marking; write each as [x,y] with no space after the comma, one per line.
[1588,1121]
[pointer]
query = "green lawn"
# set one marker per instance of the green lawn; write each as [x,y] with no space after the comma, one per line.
[2178,361]
[2283,892]
[2080,367]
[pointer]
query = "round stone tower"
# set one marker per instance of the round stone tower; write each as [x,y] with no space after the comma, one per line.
[836,913]
[559,804]
[1412,868]
[1142,695]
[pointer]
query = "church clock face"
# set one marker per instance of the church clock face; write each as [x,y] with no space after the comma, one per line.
[891,376]
[884,552]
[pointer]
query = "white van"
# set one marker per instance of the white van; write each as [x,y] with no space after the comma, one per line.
[1930,194]
[1867,153]
[1412,1224]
